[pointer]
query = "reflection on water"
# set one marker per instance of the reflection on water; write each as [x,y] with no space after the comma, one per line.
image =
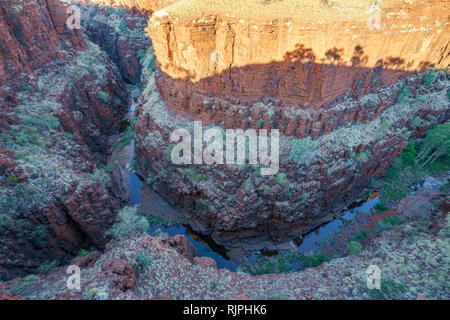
[134,187]
[311,241]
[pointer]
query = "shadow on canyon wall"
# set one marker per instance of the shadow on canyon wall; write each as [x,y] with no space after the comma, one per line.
[301,80]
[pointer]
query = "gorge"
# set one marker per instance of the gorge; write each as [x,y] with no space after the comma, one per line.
[84,180]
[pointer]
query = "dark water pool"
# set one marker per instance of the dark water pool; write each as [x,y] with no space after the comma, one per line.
[311,241]
[206,247]
[134,187]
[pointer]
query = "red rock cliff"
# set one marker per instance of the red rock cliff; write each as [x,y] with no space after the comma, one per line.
[31,32]
[290,53]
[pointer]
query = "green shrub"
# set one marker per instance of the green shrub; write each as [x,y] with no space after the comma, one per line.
[429,78]
[128,223]
[41,121]
[395,190]
[409,153]
[316,260]
[386,125]
[151,179]
[281,178]
[141,262]
[359,236]
[354,247]
[260,123]
[418,122]
[403,96]
[189,173]
[126,137]
[48,266]
[387,223]
[169,152]
[278,264]
[29,136]
[303,151]
[436,145]
[26,87]
[363,156]
[201,177]
[381,206]
[287,191]
[155,219]
[123,27]
[104,96]
[31,278]
[101,177]
[83,253]
[12,179]
[152,65]
[141,53]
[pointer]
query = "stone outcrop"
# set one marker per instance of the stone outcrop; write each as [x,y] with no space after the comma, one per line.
[183,246]
[120,273]
[344,95]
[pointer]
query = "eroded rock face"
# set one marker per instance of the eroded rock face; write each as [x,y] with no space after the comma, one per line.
[31,32]
[237,206]
[183,246]
[60,99]
[343,95]
[120,273]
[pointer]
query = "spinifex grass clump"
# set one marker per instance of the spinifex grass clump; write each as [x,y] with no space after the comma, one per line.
[128,223]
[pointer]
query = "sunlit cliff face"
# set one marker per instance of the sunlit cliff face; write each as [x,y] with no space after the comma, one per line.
[198,40]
